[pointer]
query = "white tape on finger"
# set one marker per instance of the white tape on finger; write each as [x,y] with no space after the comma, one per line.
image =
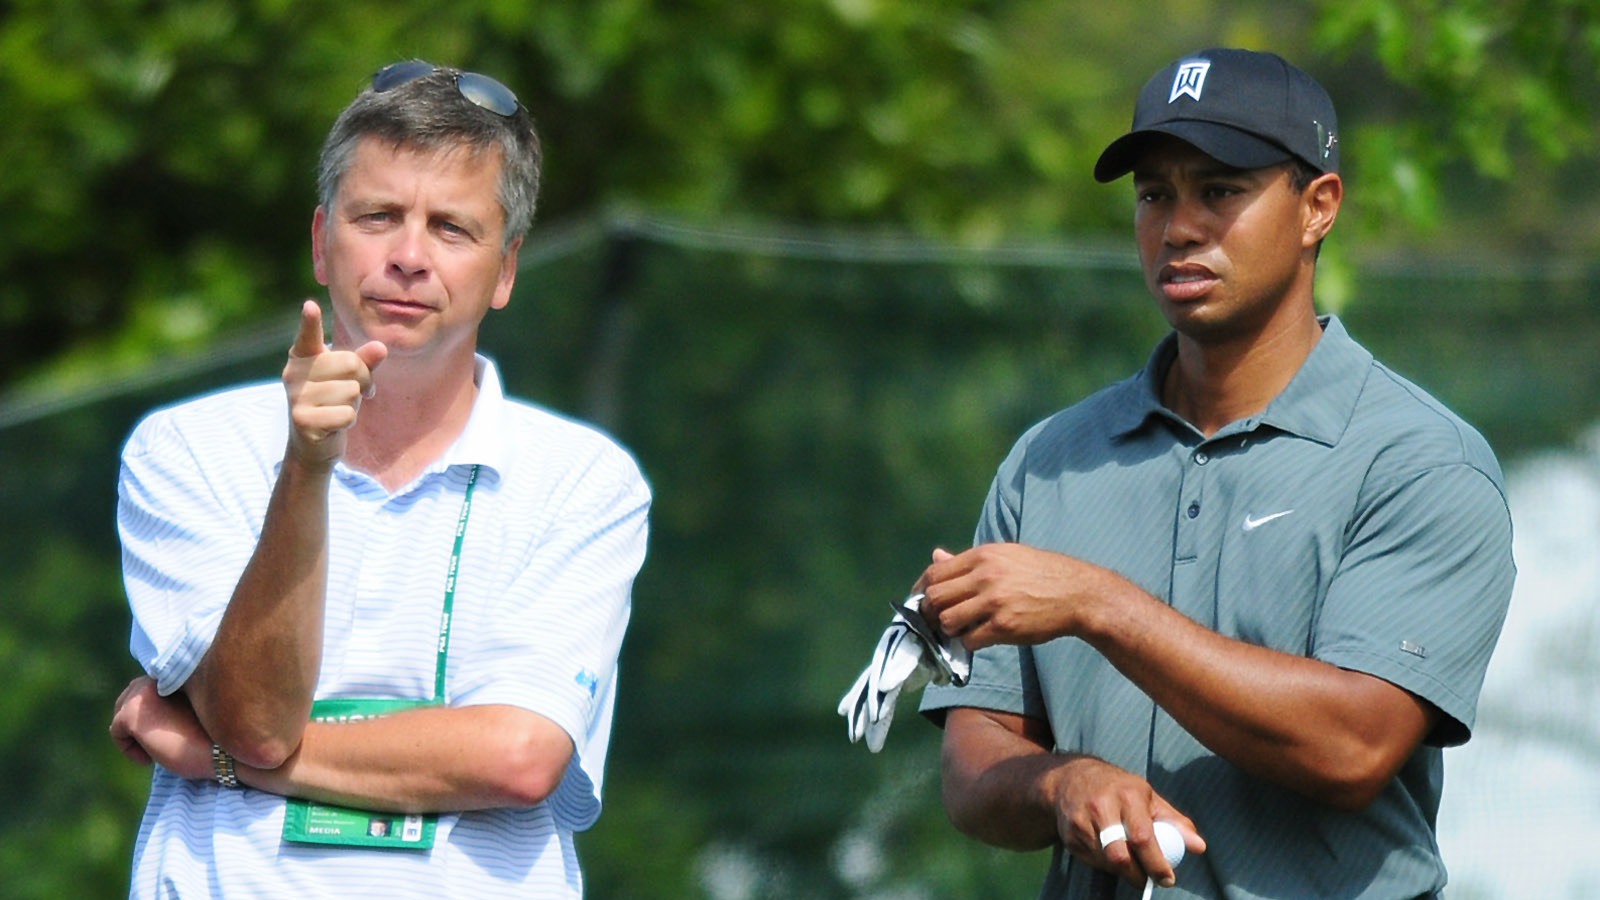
[1111,834]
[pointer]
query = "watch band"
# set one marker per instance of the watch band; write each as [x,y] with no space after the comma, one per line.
[222,768]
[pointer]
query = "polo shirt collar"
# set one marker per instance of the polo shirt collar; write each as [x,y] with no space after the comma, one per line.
[1140,396]
[1317,403]
[482,442]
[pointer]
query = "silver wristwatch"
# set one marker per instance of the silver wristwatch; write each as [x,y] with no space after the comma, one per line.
[222,768]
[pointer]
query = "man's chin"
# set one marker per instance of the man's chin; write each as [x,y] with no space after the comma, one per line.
[1204,323]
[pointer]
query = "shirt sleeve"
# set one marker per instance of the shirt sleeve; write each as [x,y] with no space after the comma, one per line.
[1422,591]
[1003,677]
[561,624]
[185,539]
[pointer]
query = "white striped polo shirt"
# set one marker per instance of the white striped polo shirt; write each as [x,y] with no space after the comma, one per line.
[556,535]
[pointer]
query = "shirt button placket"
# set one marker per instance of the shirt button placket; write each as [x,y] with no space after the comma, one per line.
[1189,506]
[1200,458]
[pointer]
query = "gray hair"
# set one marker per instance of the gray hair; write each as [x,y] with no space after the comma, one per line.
[430,114]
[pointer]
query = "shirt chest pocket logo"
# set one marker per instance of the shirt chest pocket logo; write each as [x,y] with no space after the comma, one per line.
[1251,523]
[1269,579]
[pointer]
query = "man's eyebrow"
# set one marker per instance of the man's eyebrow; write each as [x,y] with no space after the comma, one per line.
[474,224]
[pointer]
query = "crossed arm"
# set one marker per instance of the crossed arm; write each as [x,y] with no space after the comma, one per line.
[421,760]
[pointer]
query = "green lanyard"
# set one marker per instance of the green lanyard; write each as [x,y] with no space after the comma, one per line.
[450,586]
[320,823]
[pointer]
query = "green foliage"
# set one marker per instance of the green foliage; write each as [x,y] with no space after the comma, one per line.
[1502,90]
[69,795]
[160,154]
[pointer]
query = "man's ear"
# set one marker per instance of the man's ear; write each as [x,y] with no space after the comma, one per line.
[319,231]
[508,276]
[1320,203]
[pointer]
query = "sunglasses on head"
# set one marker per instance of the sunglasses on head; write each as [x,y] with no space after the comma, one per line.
[480,89]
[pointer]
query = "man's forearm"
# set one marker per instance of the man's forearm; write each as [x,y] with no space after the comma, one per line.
[253,690]
[1334,735]
[432,759]
[1004,806]
[994,779]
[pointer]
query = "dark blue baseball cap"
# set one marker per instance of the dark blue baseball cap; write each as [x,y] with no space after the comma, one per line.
[1243,108]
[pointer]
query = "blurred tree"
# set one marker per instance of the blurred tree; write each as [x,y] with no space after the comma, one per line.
[159,155]
[1487,88]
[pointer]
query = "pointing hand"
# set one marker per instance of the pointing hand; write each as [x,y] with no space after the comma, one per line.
[325,389]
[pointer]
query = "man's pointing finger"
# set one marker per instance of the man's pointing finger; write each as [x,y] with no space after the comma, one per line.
[308,341]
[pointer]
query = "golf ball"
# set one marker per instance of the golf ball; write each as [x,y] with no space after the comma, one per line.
[1170,840]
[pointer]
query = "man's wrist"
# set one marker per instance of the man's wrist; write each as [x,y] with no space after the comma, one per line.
[308,461]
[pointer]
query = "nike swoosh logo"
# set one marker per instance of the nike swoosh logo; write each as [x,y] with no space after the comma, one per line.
[1251,523]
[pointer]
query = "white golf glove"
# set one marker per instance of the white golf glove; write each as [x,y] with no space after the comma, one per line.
[911,653]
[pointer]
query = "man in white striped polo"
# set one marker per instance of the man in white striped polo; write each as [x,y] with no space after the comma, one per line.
[380,603]
[1251,590]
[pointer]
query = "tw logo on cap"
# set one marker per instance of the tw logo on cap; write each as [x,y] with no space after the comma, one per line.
[1190,79]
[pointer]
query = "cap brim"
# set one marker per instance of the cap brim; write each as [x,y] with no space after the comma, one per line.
[1223,143]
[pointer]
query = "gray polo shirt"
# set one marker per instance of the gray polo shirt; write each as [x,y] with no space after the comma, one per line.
[1355,521]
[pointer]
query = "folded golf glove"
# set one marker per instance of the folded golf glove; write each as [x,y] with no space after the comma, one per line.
[911,653]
